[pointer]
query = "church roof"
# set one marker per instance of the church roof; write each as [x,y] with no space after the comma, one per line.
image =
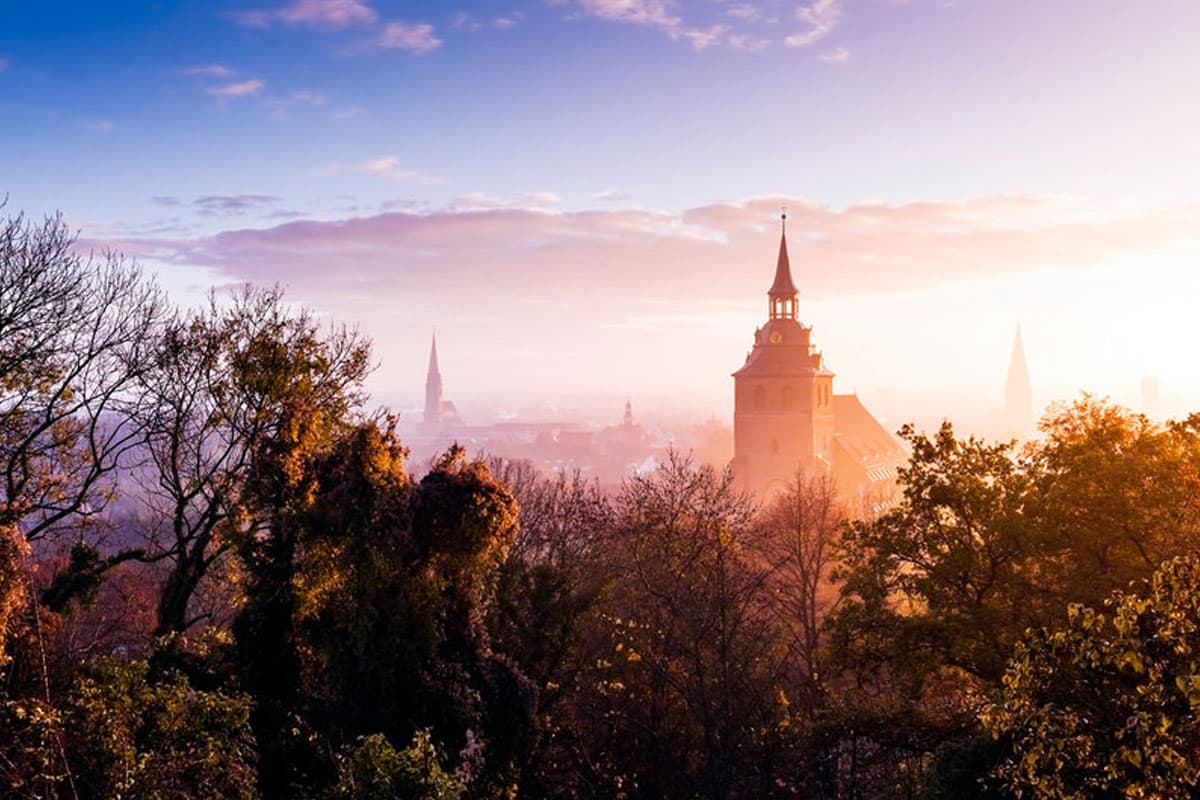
[783,286]
[862,436]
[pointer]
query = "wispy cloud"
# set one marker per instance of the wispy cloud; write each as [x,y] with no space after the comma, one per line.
[232,204]
[415,37]
[4,64]
[210,70]
[507,21]
[324,15]
[663,15]
[238,89]
[746,41]
[478,201]
[838,56]
[819,19]
[704,39]
[611,196]
[864,248]
[301,98]
[465,21]
[655,13]
[99,125]
[349,112]
[743,11]
[383,166]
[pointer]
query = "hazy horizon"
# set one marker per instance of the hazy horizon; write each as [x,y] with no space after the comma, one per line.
[581,196]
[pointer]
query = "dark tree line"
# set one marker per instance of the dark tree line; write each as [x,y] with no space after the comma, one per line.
[218,577]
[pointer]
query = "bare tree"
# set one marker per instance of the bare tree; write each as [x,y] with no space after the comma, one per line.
[222,380]
[803,523]
[75,334]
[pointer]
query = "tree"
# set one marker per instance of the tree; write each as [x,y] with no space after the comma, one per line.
[74,335]
[687,698]
[803,530]
[551,580]
[1115,495]
[123,731]
[231,383]
[1108,706]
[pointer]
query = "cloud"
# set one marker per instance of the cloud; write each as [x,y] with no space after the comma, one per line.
[819,19]
[743,11]
[661,14]
[507,21]
[838,56]
[480,201]
[384,166]
[703,39]
[209,71]
[706,254]
[465,21]
[323,15]
[99,126]
[167,201]
[415,37]
[611,196]
[232,204]
[239,89]
[748,42]
[655,13]
[349,112]
[4,64]
[301,98]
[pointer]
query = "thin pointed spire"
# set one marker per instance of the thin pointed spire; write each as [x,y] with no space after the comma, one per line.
[1018,391]
[433,362]
[433,388]
[783,286]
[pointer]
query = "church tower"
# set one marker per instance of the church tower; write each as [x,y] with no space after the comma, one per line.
[1018,393]
[433,390]
[783,417]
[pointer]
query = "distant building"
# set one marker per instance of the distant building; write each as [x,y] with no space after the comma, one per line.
[439,413]
[786,417]
[1018,393]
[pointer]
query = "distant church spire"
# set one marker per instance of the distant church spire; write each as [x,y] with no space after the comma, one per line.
[782,294]
[433,388]
[1018,393]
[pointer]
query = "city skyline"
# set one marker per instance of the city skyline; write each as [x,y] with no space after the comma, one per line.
[510,175]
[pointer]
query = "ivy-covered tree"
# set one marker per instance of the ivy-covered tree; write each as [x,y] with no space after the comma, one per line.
[1108,705]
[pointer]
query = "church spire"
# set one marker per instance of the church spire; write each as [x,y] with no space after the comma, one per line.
[433,388]
[433,364]
[1018,392]
[782,294]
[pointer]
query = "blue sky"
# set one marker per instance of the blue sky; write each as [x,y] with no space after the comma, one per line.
[169,128]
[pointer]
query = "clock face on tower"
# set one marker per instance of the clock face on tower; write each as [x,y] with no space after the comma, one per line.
[776,337]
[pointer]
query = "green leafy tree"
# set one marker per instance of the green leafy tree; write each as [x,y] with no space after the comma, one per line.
[122,731]
[375,770]
[1108,706]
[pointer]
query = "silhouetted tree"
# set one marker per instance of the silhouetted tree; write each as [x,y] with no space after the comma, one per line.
[231,384]
[74,336]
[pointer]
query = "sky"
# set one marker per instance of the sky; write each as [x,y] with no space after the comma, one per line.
[582,196]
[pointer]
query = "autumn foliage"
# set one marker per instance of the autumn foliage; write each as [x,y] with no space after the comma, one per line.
[220,576]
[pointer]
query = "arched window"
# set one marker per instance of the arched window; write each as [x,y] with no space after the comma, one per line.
[788,398]
[760,397]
